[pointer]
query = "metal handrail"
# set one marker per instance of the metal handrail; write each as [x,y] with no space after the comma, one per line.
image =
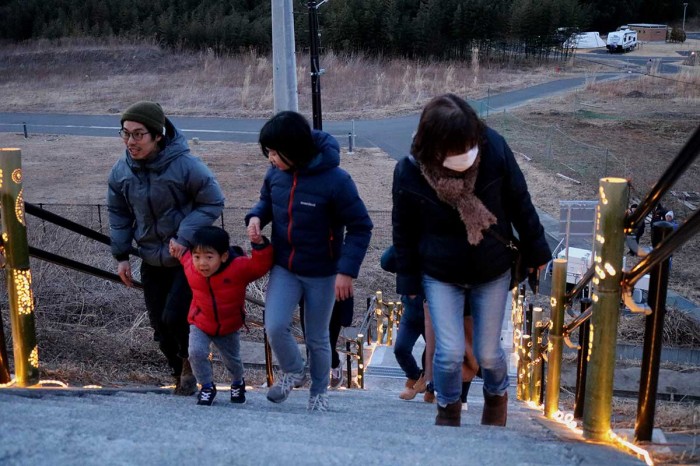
[70,225]
[97,236]
[674,171]
[662,252]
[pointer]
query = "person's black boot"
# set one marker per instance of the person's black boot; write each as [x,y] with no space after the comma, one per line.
[465,391]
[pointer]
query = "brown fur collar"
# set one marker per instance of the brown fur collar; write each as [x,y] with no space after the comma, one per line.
[457,190]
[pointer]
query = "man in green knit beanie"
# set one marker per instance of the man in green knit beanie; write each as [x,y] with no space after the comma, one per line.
[159,194]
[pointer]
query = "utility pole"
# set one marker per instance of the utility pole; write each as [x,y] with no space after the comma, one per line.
[685,6]
[284,63]
[316,70]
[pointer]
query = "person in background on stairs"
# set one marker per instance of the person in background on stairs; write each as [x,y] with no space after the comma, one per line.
[158,195]
[461,182]
[415,322]
[218,275]
[639,231]
[320,232]
[411,326]
[341,316]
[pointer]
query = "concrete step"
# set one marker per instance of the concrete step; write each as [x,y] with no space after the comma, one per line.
[371,426]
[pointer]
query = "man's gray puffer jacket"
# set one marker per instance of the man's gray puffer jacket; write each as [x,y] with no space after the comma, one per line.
[155,200]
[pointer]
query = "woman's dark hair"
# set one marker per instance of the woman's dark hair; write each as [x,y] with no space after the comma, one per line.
[448,125]
[289,134]
[211,237]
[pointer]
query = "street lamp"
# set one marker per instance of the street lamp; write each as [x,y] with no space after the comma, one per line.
[685,6]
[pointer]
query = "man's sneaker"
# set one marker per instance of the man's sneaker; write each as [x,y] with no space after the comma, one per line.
[336,376]
[238,392]
[318,402]
[206,396]
[283,386]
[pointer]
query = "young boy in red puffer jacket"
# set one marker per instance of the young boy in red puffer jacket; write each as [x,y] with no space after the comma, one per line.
[218,275]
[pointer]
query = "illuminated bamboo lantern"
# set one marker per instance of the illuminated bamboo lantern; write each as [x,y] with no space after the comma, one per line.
[19,276]
[607,256]
[379,317]
[360,361]
[536,356]
[555,347]
[391,308]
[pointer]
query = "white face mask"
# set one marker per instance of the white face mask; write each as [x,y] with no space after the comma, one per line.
[461,162]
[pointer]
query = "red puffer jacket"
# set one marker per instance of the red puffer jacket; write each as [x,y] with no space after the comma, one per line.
[218,301]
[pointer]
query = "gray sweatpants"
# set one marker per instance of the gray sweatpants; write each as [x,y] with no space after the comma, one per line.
[229,347]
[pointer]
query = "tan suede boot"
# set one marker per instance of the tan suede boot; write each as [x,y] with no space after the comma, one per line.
[421,384]
[429,395]
[495,410]
[450,415]
[408,393]
[187,383]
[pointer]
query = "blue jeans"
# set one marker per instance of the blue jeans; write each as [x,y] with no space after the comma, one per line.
[446,304]
[284,291]
[229,347]
[411,327]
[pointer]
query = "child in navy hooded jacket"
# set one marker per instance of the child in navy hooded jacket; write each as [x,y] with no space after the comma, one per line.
[320,232]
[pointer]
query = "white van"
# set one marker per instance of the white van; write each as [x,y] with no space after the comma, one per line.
[624,40]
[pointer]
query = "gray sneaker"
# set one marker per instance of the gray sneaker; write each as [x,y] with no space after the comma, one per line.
[318,403]
[336,377]
[283,386]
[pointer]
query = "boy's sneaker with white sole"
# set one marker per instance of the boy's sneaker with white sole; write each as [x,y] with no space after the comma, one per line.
[206,396]
[238,392]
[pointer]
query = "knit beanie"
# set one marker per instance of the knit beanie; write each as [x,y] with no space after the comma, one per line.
[150,114]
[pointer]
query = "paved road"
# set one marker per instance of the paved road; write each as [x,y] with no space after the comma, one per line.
[393,135]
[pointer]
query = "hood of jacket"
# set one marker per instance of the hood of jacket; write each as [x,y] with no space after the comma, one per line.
[328,153]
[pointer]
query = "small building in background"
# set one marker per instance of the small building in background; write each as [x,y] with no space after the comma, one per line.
[649,32]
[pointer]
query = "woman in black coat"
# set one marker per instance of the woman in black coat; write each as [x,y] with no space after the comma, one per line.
[456,202]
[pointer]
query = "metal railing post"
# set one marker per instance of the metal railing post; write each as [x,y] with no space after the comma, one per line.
[268,361]
[348,360]
[4,362]
[582,362]
[19,275]
[607,259]
[556,343]
[653,339]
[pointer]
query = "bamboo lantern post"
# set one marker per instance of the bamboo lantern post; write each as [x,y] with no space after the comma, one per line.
[607,256]
[536,355]
[556,341]
[19,276]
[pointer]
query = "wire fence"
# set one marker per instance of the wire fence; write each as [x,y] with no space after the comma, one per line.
[67,297]
[579,161]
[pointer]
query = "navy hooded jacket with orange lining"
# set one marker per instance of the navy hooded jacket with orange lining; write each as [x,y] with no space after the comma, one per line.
[218,301]
[309,209]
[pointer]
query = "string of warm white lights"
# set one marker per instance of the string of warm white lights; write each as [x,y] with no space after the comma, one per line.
[567,419]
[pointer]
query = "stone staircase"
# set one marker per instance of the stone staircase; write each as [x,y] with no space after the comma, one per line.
[371,426]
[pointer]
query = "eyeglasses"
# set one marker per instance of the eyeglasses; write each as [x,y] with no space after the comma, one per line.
[137,136]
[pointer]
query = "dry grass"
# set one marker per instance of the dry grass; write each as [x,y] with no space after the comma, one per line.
[680,330]
[89,77]
[91,331]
